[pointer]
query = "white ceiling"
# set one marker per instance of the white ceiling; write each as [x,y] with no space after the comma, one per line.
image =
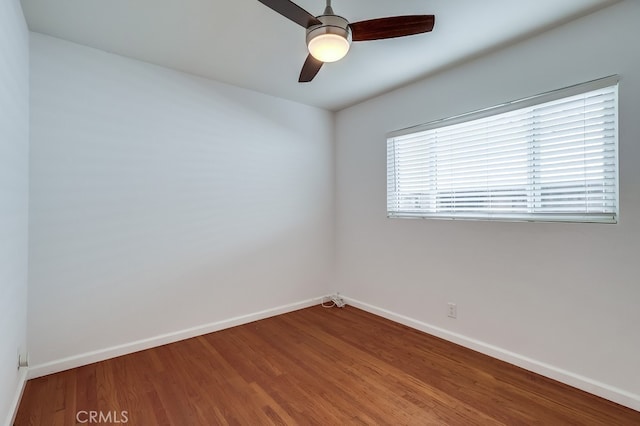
[244,43]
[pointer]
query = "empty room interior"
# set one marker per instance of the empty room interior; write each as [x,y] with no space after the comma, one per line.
[315,212]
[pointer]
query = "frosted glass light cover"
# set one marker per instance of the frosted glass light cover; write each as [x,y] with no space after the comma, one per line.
[328,47]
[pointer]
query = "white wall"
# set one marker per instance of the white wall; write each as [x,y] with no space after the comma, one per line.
[14,191]
[163,202]
[562,298]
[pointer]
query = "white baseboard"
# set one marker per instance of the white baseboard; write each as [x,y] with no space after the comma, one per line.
[15,402]
[163,339]
[583,383]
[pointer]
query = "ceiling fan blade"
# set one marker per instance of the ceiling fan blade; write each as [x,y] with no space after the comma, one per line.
[290,10]
[395,26]
[309,69]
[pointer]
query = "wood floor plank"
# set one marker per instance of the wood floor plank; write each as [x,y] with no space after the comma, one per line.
[315,366]
[379,378]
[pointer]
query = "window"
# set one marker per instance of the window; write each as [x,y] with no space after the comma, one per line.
[552,157]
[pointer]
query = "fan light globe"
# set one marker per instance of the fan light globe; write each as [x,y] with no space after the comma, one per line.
[328,47]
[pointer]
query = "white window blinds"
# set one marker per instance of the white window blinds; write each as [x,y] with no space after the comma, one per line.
[533,159]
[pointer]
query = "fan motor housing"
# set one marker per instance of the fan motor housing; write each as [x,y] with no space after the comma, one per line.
[331,24]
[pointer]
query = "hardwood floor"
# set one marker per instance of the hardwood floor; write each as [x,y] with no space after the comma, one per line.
[313,366]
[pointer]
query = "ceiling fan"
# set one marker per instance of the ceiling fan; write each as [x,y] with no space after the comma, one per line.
[329,36]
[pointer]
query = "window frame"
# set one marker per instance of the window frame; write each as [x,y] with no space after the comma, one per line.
[532,101]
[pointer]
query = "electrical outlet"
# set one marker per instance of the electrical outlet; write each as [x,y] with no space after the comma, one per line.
[452,311]
[23,360]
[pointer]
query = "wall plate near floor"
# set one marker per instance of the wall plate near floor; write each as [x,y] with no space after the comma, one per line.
[452,310]
[23,360]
